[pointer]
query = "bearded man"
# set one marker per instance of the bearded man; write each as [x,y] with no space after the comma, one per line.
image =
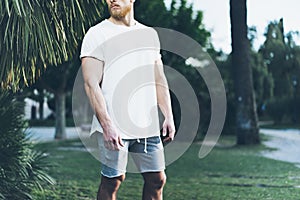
[120,55]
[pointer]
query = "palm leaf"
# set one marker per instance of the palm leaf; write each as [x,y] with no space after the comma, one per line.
[37,33]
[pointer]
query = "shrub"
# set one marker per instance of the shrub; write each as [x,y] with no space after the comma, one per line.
[278,108]
[21,168]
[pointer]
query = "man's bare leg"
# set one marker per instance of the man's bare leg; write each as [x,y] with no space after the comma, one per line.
[153,185]
[109,187]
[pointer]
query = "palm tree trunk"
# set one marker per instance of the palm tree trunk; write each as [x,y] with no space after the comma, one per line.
[246,116]
[60,119]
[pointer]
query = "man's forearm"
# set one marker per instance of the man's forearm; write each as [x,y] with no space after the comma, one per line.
[164,102]
[162,90]
[163,97]
[99,105]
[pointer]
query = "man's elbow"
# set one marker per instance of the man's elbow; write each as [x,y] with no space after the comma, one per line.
[90,85]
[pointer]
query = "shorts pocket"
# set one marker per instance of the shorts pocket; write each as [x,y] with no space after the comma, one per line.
[154,140]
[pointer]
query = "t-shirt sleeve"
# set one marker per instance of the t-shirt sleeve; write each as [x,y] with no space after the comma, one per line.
[92,45]
[157,46]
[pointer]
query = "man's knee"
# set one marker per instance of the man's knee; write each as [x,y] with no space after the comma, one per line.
[159,182]
[155,180]
[112,184]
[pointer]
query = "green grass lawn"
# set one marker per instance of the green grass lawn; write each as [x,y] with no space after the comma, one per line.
[226,173]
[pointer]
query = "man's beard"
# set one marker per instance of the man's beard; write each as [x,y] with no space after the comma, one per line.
[120,14]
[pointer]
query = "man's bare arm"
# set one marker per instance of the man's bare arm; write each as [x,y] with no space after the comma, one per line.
[164,100]
[92,70]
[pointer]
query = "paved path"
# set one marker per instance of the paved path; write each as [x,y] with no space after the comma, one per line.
[286,144]
[45,134]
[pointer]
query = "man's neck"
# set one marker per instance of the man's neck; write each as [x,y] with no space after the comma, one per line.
[126,21]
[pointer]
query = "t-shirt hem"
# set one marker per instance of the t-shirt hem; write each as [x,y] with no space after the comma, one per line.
[126,137]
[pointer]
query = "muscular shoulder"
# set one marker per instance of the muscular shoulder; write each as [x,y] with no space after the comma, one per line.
[92,41]
[97,29]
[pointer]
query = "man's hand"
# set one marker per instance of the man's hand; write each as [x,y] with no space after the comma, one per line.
[112,139]
[168,127]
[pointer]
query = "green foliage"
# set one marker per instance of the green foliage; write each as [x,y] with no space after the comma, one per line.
[36,33]
[225,68]
[181,18]
[284,110]
[282,58]
[278,109]
[60,78]
[152,13]
[263,81]
[21,168]
[186,21]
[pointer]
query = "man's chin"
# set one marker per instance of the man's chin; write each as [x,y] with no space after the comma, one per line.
[119,14]
[116,15]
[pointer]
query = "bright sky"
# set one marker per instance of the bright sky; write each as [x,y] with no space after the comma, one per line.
[260,13]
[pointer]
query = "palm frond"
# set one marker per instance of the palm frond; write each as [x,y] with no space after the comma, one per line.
[35,33]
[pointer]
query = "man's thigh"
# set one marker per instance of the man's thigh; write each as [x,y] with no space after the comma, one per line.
[148,155]
[113,162]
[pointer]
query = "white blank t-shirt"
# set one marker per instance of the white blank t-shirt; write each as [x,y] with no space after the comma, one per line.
[128,84]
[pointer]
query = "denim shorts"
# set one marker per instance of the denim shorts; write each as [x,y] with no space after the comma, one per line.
[146,154]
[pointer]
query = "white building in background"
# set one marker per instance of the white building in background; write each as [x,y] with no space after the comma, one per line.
[28,108]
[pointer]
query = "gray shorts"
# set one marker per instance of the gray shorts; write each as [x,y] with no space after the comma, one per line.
[146,154]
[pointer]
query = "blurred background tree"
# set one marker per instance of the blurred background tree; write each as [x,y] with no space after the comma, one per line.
[59,80]
[246,116]
[282,58]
